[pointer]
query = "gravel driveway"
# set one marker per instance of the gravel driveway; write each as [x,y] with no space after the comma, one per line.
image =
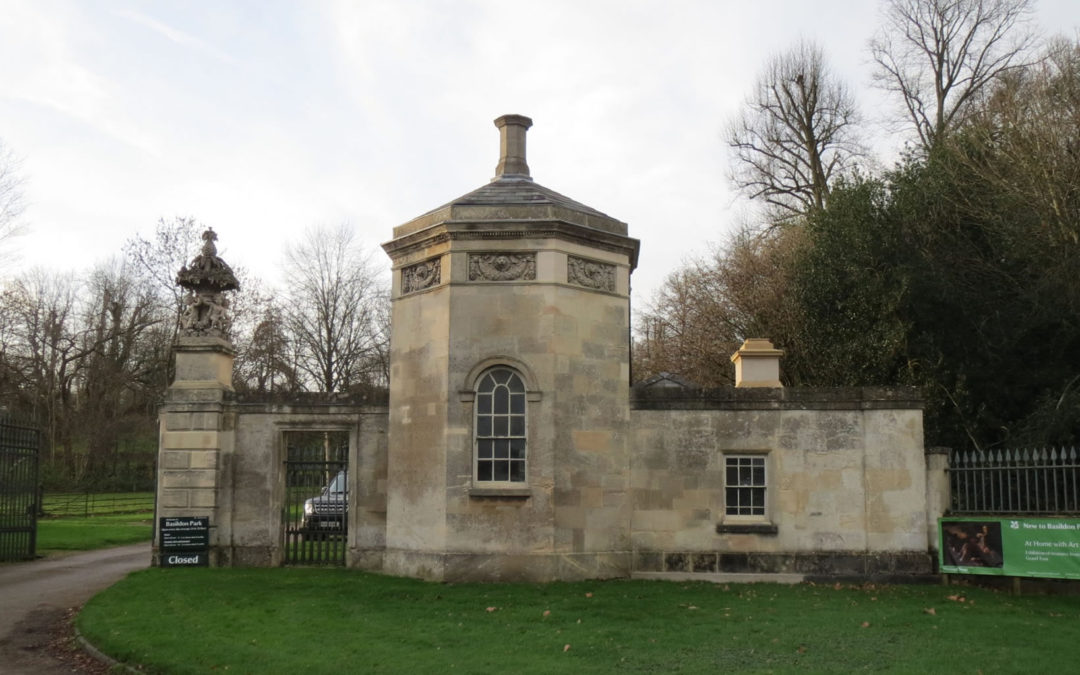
[37,599]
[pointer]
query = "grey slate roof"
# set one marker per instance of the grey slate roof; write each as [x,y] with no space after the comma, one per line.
[506,191]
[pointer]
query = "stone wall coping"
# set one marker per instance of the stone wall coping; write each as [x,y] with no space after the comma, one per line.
[776,398]
[377,398]
[299,410]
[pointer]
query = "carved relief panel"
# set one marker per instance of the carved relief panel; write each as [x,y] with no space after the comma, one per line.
[590,274]
[421,275]
[502,266]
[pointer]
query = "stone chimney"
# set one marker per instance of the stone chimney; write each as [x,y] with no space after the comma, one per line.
[757,364]
[512,163]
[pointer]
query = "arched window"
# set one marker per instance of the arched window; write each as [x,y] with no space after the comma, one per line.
[500,426]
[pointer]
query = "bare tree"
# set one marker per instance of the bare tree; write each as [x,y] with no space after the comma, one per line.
[42,351]
[12,203]
[704,309]
[796,134]
[121,360]
[938,56]
[333,309]
[1032,121]
[266,358]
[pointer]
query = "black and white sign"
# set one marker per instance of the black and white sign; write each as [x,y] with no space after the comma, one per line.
[185,542]
[185,559]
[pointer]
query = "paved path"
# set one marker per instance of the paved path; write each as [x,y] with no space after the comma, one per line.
[35,598]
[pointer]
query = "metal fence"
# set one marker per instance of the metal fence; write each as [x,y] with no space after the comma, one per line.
[1025,481]
[85,504]
[19,455]
[316,509]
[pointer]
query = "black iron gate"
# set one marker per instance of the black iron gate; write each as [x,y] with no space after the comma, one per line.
[316,517]
[19,451]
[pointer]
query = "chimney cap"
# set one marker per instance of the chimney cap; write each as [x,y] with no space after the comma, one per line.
[757,364]
[519,120]
[512,164]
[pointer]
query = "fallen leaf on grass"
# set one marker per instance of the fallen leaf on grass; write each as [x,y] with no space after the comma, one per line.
[588,595]
[801,649]
[931,611]
[956,598]
[865,624]
[566,648]
[547,612]
[692,607]
[837,586]
[492,609]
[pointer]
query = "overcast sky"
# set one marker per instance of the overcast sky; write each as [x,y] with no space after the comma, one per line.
[261,118]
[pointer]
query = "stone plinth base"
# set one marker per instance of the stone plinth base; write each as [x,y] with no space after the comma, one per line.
[537,567]
[203,363]
[846,564]
[370,559]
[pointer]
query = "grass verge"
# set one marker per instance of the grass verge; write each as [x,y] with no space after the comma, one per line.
[322,620]
[85,534]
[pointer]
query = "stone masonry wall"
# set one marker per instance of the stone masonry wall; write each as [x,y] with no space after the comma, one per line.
[846,487]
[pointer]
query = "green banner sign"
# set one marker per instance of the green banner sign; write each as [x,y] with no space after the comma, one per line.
[1015,547]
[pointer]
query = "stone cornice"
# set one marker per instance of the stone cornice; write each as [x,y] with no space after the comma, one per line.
[448,231]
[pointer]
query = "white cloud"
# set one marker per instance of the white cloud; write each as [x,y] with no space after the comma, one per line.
[263,118]
[179,37]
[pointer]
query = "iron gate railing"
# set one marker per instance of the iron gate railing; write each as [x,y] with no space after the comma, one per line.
[19,451]
[1028,481]
[316,514]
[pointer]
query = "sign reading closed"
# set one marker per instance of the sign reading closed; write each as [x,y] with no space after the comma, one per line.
[184,542]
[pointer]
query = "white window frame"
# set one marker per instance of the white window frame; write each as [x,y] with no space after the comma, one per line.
[751,512]
[500,436]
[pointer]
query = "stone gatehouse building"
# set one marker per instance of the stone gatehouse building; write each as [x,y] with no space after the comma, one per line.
[512,445]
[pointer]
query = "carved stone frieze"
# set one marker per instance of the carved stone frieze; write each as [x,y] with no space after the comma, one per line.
[421,275]
[502,266]
[590,274]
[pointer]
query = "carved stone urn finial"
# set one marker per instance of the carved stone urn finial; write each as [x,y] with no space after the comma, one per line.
[206,279]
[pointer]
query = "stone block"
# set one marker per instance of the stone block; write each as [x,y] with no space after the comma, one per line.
[189,440]
[205,421]
[703,562]
[177,421]
[733,562]
[592,497]
[174,498]
[592,441]
[252,556]
[648,561]
[189,478]
[204,459]
[176,459]
[659,520]
[203,499]
[676,562]
[885,480]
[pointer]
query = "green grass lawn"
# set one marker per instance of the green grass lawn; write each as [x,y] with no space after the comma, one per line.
[85,534]
[186,620]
